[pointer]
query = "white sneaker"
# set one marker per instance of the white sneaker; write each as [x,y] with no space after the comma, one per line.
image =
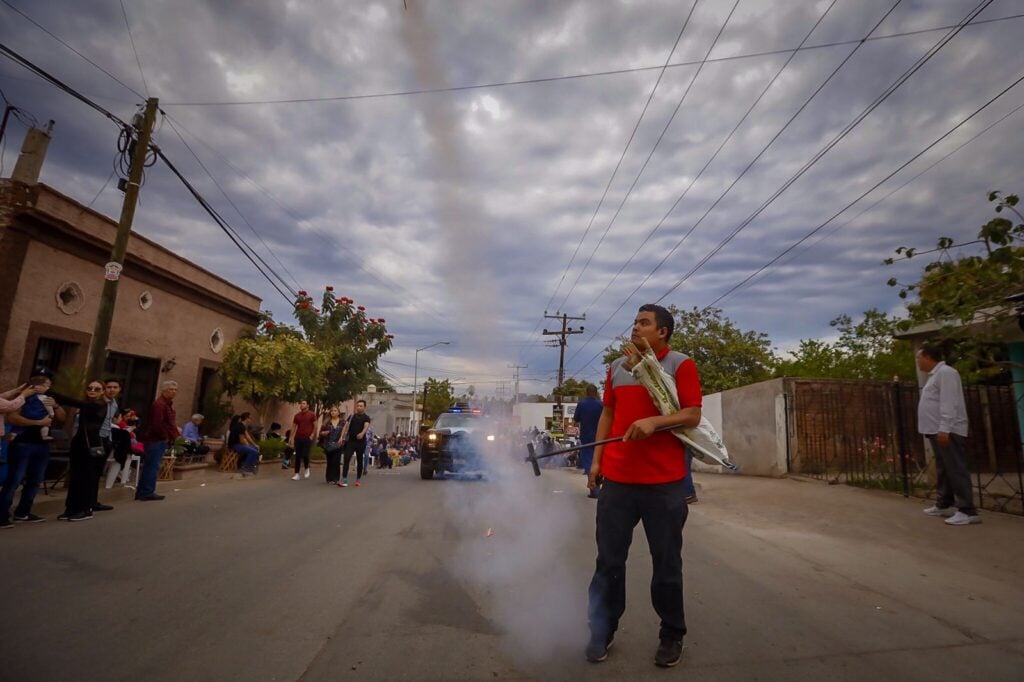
[939,511]
[961,519]
[307,474]
[295,477]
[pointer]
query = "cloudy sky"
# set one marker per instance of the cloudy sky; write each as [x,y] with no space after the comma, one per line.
[462,215]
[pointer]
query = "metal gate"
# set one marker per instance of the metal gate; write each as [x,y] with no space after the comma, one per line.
[865,433]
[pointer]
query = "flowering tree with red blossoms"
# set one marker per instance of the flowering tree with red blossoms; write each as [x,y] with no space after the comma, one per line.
[353,342]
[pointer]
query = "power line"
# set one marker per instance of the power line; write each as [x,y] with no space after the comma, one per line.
[615,171]
[872,189]
[713,157]
[846,131]
[643,167]
[239,212]
[736,180]
[131,39]
[835,229]
[820,154]
[578,76]
[17,58]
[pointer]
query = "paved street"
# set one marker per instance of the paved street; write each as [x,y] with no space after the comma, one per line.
[271,579]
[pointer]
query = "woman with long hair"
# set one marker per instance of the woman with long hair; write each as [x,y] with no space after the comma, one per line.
[330,436]
[85,446]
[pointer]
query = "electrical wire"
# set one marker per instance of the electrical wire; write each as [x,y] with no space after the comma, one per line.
[294,292]
[131,39]
[17,58]
[735,181]
[835,229]
[714,156]
[622,156]
[821,153]
[657,143]
[578,76]
[869,191]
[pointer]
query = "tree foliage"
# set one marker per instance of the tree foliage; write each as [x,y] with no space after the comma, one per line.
[437,397]
[572,388]
[351,341]
[866,350]
[281,367]
[966,296]
[726,356]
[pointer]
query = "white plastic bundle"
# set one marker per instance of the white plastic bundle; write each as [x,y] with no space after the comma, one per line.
[706,444]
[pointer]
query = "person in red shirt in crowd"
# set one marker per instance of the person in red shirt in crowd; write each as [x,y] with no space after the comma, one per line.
[160,432]
[302,437]
[643,481]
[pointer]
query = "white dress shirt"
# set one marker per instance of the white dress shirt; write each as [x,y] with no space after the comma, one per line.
[942,408]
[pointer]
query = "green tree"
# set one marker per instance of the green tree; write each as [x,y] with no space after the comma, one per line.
[865,350]
[437,397]
[966,296]
[265,368]
[351,341]
[572,388]
[726,356]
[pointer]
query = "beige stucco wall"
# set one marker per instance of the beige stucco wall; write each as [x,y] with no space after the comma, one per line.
[172,327]
[751,421]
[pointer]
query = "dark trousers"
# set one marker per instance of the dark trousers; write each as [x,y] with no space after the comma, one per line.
[24,461]
[953,479]
[83,479]
[302,446]
[662,509]
[357,448]
[333,465]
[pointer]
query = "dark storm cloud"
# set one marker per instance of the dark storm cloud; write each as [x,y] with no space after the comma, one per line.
[360,195]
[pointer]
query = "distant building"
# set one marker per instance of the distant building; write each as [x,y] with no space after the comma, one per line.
[172,320]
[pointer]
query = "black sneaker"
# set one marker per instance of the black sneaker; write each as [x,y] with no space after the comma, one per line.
[63,517]
[668,654]
[80,516]
[6,523]
[597,650]
[99,506]
[692,499]
[29,518]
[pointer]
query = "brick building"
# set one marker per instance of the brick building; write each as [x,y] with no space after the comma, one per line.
[172,319]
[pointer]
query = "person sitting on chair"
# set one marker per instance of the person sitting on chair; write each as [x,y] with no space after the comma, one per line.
[193,440]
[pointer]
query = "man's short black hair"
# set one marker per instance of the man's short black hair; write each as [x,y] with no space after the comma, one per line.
[275,426]
[932,351]
[662,318]
[361,402]
[113,380]
[41,372]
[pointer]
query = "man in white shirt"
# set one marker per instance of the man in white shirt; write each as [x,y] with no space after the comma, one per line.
[942,418]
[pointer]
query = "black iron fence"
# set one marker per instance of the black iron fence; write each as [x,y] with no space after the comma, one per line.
[865,433]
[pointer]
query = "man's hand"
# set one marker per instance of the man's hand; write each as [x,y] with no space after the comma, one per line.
[640,429]
[594,479]
[45,421]
[942,438]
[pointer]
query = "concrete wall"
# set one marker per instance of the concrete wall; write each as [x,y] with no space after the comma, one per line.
[752,422]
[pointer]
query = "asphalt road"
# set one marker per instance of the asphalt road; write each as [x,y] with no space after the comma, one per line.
[403,579]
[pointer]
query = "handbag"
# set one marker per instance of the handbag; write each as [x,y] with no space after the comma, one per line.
[96,451]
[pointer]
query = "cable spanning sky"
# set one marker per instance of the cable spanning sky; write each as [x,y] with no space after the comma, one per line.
[443,162]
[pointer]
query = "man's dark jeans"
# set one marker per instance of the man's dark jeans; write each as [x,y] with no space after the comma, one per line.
[151,460]
[24,461]
[662,509]
[953,478]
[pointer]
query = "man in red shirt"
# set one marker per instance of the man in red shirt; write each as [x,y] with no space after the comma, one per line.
[161,430]
[643,481]
[303,423]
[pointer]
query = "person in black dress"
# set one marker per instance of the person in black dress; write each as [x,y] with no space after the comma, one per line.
[83,478]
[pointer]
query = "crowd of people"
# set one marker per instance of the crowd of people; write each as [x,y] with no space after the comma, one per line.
[108,437]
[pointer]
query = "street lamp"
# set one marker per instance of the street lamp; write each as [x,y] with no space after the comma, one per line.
[415,384]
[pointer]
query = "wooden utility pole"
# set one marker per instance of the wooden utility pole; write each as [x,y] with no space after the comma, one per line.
[562,335]
[112,271]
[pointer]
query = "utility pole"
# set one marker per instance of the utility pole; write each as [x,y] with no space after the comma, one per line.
[562,336]
[515,379]
[105,315]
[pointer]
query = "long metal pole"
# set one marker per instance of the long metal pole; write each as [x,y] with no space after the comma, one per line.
[415,378]
[105,314]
